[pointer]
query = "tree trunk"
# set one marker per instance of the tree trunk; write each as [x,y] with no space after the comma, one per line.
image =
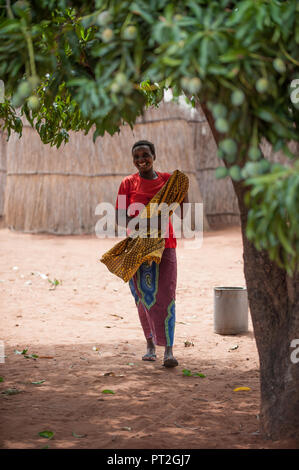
[273,299]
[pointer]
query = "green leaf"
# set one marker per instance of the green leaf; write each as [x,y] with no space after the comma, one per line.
[54,283]
[135,8]
[46,434]
[10,26]
[284,240]
[1,379]
[78,436]
[20,352]
[233,55]
[265,114]
[195,8]
[187,372]
[275,11]
[11,391]
[38,383]
[108,392]
[171,62]
[31,356]
[199,374]
[204,52]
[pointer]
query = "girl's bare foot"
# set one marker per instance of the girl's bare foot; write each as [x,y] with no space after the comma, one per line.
[150,351]
[169,359]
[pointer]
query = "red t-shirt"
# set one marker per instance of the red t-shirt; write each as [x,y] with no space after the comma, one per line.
[138,189]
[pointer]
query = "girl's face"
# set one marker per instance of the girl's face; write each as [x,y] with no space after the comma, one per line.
[143,159]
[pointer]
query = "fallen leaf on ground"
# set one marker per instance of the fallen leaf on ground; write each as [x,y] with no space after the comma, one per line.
[31,356]
[20,352]
[126,428]
[11,391]
[188,373]
[239,389]
[78,435]
[46,357]
[38,383]
[108,392]
[54,283]
[188,344]
[46,434]
[117,316]
[1,379]
[112,374]
[185,427]
[234,347]
[24,353]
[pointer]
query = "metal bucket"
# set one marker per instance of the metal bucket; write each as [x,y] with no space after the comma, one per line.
[230,310]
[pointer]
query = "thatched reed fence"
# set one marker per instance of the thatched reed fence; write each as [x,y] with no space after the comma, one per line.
[280,157]
[57,191]
[221,207]
[3,148]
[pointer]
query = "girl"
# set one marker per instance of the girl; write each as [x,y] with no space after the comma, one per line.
[153,286]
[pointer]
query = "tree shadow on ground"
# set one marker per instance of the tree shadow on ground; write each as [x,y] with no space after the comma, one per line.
[151,407]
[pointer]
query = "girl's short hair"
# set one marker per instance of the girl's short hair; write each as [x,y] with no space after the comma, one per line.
[145,142]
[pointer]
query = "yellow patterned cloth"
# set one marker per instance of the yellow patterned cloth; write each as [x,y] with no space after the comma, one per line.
[124,258]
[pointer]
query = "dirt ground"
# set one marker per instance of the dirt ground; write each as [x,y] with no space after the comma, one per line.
[87,326]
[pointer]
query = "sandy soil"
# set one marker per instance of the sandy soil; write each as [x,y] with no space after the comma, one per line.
[87,326]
